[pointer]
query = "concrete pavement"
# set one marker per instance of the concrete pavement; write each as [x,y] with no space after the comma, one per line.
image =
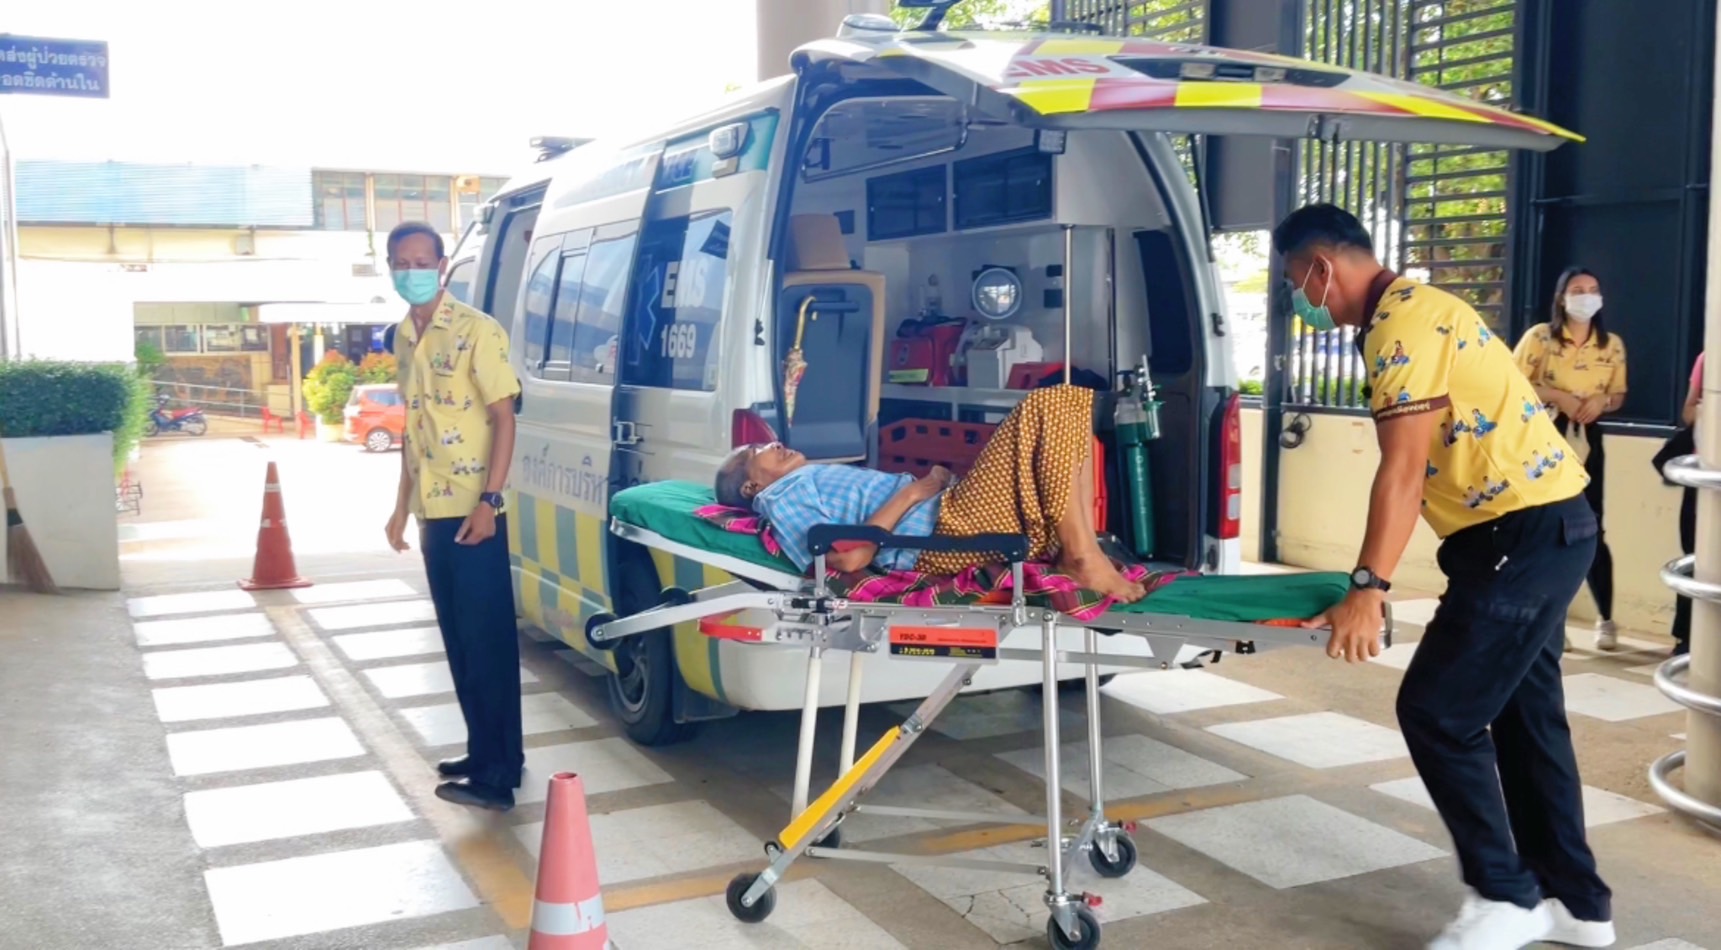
[222,769]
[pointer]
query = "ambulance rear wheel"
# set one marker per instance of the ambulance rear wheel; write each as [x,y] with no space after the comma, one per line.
[642,690]
[1077,685]
[761,908]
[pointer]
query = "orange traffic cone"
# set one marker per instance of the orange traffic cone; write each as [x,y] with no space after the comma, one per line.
[273,568]
[569,911]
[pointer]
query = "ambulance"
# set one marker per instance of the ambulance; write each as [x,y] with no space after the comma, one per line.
[974,214]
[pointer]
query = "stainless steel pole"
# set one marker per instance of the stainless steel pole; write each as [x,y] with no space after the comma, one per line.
[10,346]
[1703,743]
[1069,303]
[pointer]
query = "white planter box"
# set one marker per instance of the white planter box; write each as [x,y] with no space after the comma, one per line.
[331,433]
[65,490]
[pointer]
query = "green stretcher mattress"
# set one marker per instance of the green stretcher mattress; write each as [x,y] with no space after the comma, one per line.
[667,509]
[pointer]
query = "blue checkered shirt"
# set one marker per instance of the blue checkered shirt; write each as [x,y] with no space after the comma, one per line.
[840,494]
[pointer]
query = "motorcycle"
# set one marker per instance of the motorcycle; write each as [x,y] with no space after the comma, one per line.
[162,419]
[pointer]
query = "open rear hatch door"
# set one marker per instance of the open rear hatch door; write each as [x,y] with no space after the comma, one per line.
[1139,85]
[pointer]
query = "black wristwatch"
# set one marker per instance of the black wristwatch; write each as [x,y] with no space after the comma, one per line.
[1364,579]
[493,499]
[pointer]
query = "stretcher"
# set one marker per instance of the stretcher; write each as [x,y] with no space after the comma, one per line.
[771,604]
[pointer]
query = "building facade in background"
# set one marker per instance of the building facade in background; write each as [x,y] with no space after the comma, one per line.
[217,266]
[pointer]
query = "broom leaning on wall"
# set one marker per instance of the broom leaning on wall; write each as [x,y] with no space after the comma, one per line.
[24,562]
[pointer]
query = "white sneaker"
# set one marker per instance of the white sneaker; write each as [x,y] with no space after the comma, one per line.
[1494,925]
[1607,635]
[1572,932]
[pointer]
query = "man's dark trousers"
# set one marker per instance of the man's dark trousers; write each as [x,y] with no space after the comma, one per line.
[473,590]
[1483,710]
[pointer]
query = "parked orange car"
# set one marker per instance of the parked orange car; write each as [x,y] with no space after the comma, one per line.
[376,417]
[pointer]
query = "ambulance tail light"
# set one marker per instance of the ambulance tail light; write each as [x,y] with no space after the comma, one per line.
[747,427]
[1231,470]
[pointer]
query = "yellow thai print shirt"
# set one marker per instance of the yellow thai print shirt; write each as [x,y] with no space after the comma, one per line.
[448,380]
[1584,371]
[1495,450]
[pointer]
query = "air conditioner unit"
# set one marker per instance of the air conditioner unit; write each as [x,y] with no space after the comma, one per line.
[366,269]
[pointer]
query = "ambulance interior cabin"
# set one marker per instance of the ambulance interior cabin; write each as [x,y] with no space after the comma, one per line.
[931,242]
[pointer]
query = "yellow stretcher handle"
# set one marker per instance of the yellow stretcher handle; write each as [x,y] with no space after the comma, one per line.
[806,821]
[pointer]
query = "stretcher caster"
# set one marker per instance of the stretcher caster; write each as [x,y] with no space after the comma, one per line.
[761,908]
[1087,931]
[592,624]
[1126,855]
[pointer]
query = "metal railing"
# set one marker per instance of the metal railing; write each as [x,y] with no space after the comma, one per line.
[1677,574]
[232,401]
[1170,21]
[1438,212]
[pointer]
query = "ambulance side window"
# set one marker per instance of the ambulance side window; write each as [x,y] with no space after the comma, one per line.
[460,280]
[681,278]
[540,291]
[593,336]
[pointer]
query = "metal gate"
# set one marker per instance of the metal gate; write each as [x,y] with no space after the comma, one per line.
[1437,213]
[1173,21]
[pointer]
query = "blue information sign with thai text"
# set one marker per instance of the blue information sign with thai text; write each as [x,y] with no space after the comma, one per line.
[34,65]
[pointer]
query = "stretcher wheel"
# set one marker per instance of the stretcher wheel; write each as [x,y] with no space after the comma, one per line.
[833,840]
[600,618]
[1126,855]
[761,908]
[1087,931]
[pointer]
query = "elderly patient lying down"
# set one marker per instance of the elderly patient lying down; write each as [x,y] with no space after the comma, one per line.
[1034,478]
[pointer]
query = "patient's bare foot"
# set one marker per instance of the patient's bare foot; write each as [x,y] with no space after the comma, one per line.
[1095,572]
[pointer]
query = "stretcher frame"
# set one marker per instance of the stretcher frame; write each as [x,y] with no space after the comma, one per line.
[767,606]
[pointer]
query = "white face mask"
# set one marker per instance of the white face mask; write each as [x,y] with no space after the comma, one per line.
[1583,307]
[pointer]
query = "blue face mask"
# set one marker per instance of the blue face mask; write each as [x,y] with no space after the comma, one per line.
[1318,317]
[417,287]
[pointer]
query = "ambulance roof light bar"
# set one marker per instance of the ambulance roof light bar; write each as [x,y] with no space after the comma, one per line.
[549,146]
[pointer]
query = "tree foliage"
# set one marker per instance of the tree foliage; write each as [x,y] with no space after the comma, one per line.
[329,385]
[979,14]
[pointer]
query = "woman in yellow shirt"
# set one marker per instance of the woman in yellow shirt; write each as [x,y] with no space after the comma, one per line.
[1578,369]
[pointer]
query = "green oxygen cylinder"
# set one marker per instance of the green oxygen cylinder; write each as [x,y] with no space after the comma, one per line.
[1137,423]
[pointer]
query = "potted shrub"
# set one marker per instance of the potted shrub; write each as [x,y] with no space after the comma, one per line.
[69,428]
[327,389]
[379,368]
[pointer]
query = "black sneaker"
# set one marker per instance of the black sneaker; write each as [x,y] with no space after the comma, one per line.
[455,768]
[476,796]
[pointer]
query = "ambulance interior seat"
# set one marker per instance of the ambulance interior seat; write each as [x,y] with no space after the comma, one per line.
[836,411]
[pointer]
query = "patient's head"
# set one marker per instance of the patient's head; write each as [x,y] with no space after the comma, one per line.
[752,469]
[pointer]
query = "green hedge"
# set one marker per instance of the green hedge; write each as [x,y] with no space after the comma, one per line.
[44,398]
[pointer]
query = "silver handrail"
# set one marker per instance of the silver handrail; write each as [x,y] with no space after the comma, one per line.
[1666,681]
[1679,575]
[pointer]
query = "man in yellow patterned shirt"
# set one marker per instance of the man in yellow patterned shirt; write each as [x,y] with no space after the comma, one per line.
[459,392]
[1465,442]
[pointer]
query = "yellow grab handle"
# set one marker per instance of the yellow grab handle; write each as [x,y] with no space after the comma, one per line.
[801,319]
[806,821]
